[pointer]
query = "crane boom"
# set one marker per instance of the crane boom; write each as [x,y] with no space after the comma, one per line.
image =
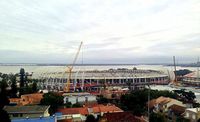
[67,86]
[77,53]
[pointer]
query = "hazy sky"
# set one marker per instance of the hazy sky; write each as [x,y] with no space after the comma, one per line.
[113,31]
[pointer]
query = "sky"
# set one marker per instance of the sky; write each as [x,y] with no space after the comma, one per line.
[112,31]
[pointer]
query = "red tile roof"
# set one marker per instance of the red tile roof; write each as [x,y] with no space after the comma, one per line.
[111,108]
[14,100]
[121,117]
[177,109]
[95,109]
[66,111]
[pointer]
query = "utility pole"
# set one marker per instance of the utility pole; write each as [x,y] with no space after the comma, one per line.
[148,102]
[174,59]
[198,69]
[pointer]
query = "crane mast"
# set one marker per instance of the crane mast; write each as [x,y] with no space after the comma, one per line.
[70,68]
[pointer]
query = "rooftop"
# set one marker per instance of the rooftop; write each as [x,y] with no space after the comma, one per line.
[87,110]
[160,100]
[191,75]
[177,109]
[26,109]
[114,74]
[121,117]
[43,119]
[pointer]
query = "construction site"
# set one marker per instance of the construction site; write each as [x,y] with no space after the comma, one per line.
[70,80]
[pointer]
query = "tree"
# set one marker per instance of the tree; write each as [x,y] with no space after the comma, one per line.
[186,96]
[90,118]
[68,105]
[3,85]
[13,92]
[22,77]
[134,68]
[22,81]
[3,99]
[76,105]
[4,117]
[102,100]
[34,87]
[136,100]
[157,117]
[52,99]
[113,96]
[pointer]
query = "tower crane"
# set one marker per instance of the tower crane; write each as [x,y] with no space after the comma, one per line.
[70,68]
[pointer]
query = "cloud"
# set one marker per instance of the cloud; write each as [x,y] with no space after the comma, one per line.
[112,31]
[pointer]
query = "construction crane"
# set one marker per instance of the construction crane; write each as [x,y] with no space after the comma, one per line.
[70,68]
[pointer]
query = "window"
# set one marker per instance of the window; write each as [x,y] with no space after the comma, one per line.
[187,114]
[193,116]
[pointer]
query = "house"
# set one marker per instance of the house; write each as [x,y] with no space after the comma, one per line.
[176,111]
[79,98]
[113,93]
[27,99]
[80,114]
[27,111]
[121,117]
[193,114]
[14,101]
[162,104]
[99,110]
[31,99]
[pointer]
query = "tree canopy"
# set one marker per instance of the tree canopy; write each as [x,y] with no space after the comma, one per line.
[52,99]
[136,100]
[90,118]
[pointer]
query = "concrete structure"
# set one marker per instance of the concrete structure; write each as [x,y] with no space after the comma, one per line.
[193,114]
[27,111]
[82,97]
[94,79]
[191,79]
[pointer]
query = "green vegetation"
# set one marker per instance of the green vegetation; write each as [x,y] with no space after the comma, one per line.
[4,116]
[102,100]
[157,117]
[182,72]
[186,96]
[76,105]
[136,100]
[53,99]
[68,105]
[4,101]
[90,118]
[27,85]
[181,119]
[13,91]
